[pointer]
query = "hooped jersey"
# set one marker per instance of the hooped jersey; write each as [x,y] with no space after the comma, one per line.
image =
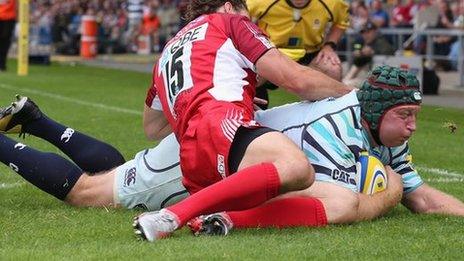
[298,28]
[331,135]
[211,59]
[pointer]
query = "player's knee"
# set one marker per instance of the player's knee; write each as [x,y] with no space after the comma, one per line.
[81,194]
[296,171]
[304,175]
[76,196]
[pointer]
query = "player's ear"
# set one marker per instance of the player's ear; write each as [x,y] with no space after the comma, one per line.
[228,8]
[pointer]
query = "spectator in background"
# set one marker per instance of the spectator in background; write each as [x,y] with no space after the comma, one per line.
[455,49]
[110,31]
[7,24]
[371,43]
[379,16]
[419,44]
[359,15]
[118,30]
[74,27]
[150,28]
[169,18]
[402,13]
[402,16]
[442,43]
[60,34]
[43,20]
[135,14]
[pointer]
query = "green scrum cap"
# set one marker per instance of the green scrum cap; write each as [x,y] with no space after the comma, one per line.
[386,87]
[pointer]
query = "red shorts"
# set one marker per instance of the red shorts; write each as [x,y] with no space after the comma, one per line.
[205,145]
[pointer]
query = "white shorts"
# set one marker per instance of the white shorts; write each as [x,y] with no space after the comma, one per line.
[152,180]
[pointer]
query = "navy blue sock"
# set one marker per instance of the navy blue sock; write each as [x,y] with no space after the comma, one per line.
[47,171]
[91,155]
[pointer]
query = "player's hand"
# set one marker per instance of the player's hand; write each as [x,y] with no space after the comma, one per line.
[257,101]
[327,55]
[395,182]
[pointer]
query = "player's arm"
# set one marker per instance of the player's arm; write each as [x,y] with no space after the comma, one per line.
[343,206]
[426,199]
[378,204]
[305,82]
[340,24]
[155,124]
[335,34]
[327,59]
[274,66]
[328,51]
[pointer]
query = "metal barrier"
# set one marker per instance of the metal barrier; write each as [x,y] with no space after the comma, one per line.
[402,34]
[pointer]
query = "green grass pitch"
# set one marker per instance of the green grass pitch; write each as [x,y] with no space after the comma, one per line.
[107,104]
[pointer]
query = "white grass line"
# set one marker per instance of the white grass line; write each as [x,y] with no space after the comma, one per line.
[67,99]
[445,180]
[11,185]
[442,172]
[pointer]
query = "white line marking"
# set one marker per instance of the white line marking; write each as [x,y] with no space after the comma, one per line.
[67,99]
[442,172]
[445,180]
[10,185]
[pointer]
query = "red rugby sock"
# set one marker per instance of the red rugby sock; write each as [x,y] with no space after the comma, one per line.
[245,189]
[280,213]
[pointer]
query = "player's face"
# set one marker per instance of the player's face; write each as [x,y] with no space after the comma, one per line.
[299,3]
[398,125]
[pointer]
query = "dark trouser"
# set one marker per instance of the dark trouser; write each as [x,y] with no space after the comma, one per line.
[6,33]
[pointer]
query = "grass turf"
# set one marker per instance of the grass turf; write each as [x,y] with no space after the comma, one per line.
[107,104]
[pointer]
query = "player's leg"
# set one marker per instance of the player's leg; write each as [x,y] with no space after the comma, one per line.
[264,172]
[57,176]
[276,213]
[269,164]
[47,171]
[293,168]
[152,180]
[321,204]
[6,33]
[90,154]
[93,190]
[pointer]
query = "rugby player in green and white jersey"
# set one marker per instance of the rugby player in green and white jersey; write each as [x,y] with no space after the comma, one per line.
[379,118]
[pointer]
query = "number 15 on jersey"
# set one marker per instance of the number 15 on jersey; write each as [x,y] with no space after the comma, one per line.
[175,65]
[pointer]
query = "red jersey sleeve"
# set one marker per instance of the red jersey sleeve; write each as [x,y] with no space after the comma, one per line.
[247,37]
[152,100]
[151,94]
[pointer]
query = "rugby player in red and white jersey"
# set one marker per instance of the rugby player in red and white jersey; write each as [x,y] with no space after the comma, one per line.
[204,82]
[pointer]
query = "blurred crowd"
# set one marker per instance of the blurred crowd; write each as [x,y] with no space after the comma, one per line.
[122,25]
[417,14]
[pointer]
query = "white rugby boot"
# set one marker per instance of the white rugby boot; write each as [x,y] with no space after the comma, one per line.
[155,225]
